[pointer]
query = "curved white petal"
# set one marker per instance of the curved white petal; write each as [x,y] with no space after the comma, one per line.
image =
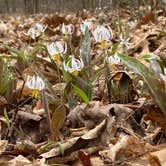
[101,33]
[35,82]
[67,29]
[73,64]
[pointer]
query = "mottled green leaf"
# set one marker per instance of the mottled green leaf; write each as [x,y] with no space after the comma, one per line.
[150,78]
[85,48]
[81,94]
[82,84]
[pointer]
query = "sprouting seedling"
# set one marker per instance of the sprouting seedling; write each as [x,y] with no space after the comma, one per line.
[51,144]
[20,132]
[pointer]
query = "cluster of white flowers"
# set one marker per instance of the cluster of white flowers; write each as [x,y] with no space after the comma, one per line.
[35,83]
[101,34]
[36,31]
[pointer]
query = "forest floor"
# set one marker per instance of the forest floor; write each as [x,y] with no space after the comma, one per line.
[83,89]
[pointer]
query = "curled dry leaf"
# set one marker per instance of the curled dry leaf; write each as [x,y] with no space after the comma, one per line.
[94,133]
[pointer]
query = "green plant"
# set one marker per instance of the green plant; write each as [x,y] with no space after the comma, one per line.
[150,78]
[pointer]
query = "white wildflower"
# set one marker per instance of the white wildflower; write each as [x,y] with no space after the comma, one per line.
[33,33]
[102,35]
[35,83]
[67,29]
[113,60]
[84,25]
[73,65]
[36,31]
[56,49]
[40,27]
[124,42]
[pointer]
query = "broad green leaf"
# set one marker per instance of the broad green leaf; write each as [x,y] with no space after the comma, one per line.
[155,87]
[85,49]
[81,94]
[149,57]
[85,86]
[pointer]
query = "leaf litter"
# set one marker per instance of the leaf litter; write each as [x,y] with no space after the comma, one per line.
[109,111]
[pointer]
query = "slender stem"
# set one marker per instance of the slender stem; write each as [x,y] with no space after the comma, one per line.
[46,108]
[10,131]
[59,74]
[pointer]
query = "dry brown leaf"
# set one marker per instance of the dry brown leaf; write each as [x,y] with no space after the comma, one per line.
[85,158]
[156,116]
[160,155]
[57,121]
[3,144]
[3,101]
[126,147]
[19,161]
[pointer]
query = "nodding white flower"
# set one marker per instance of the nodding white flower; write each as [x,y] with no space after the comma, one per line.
[40,27]
[67,29]
[36,31]
[124,42]
[33,33]
[84,25]
[102,35]
[73,65]
[113,60]
[56,49]
[35,83]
